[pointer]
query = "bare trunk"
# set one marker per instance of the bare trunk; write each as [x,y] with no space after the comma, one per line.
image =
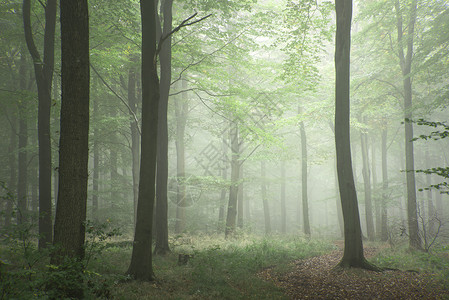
[367,185]
[233,191]
[161,244]
[266,207]
[304,186]
[385,197]
[240,199]
[141,266]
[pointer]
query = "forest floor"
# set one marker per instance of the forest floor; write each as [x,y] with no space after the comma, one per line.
[317,278]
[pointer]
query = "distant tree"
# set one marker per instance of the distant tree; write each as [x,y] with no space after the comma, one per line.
[353,251]
[73,144]
[141,267]
[43,69]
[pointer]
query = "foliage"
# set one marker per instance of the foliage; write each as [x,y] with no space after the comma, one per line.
[25,272]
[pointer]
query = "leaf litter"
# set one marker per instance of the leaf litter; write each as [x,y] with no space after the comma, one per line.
[317,278]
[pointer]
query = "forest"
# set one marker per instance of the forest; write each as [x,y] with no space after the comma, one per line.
[228,149]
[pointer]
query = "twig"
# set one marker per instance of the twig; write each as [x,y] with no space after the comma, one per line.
[118,96]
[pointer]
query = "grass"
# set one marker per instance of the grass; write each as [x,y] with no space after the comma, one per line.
[435,262]
[219,269]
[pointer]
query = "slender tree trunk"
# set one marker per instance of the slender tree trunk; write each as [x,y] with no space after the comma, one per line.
[367,185]
[283,205]
[406,65]
[375,198]
[43,70]
[73,144]
[304,186]
[161,244]
[181,111]
[224,174]
[337,197]
[430,206]
[233,191]
[384,234]
[266,207]
[141,266]
[135,136]
[96,171]
[240,199]
[353,251]
[12,161]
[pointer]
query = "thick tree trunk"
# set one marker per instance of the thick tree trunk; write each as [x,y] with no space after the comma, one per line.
[181,111]
[233,191]
[283,205]
[141,266]
[385,197]
[353,251]
[73,144]
[43,70]
[161,244]
[304,181]
[406,65]
[367,185]
[266,207]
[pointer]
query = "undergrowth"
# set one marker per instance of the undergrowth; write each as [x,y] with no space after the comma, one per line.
[435,262]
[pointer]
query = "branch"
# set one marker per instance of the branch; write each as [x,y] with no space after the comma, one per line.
[177,28]
[118,96]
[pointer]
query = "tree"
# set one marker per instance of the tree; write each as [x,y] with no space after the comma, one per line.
[161,245]
[73,144]
[304,181]
[367,185]
[43,69]
[353,251]
[405,62]
[141,267]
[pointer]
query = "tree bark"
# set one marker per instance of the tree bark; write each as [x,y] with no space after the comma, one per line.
[70,216]
[405,62]
[161,244]
[141,267]
[240,199]
[224,175]
[43,70]
[375,198]
[353,251]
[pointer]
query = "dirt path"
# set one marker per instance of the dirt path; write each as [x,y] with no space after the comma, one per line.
[315,278]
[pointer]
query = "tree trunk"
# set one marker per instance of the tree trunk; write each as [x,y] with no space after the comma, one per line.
[266,207]
[353,251]
[181,111]
[283,205]
[240,199]
[337,197]
[73,144]
[367,185]
[224,174]
[96,171]
[406,65]
[375,198]
[43,70]
[304,180]
[161,244]
[12,161]
[233,191]
[23,142]
[135,136]
[430,207]
[384,234]
[141,267]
